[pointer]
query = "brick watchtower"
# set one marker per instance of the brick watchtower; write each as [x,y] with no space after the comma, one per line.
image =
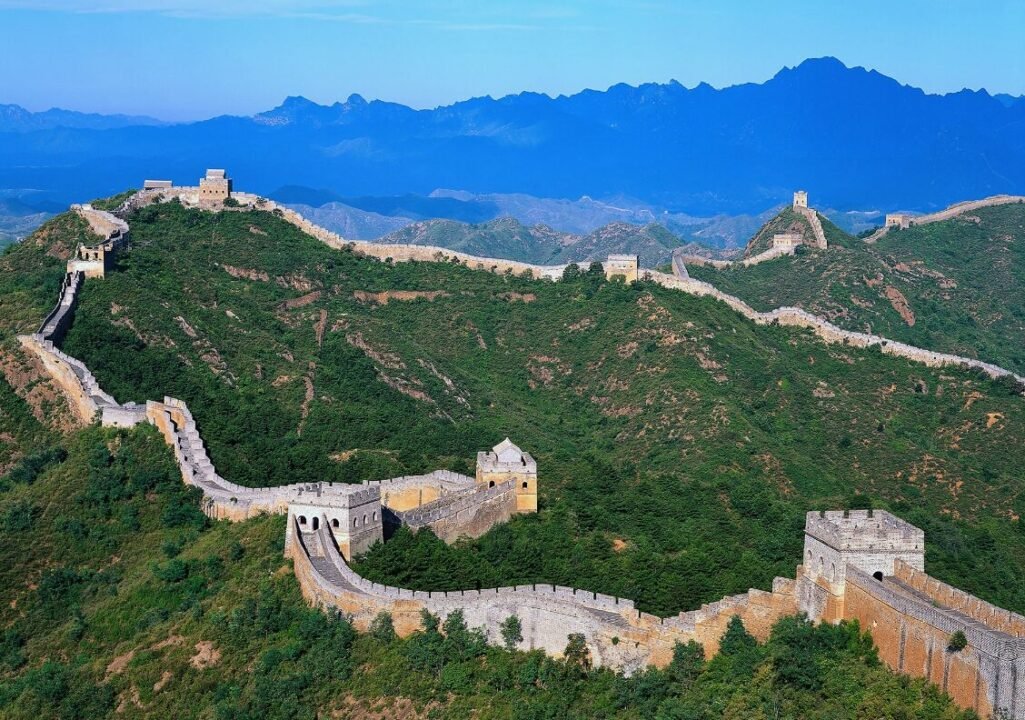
[871,541]
[504,463]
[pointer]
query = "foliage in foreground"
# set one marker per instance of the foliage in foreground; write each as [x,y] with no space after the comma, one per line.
[120,599]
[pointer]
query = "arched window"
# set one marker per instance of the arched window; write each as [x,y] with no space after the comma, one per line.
[375,516]
[878,575]
[832,571]
[524,484]
[316,522]
[491,484]
[355,522]
[820,564]
[364,519]
[334,522]
[302,519]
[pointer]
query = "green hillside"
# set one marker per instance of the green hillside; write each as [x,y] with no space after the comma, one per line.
[540,244]
[660,421]
[672,436]
[953,286]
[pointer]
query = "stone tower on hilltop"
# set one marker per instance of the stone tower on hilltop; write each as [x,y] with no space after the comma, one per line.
[800,199]
[839,542]
[215,187]
[507,463]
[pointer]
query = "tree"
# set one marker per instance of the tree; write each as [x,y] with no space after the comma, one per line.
[739,648]
[576,653]
[382,628]
[687,663]
[958,642]
[512,632]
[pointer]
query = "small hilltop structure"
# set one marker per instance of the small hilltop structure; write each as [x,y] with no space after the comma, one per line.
[900,221]
[622,265]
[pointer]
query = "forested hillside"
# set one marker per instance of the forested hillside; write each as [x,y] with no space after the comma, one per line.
[672,436]
[953,286]
[119,598]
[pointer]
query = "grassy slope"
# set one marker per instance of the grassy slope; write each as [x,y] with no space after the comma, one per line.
[660,420]
[961,279]
[786,221]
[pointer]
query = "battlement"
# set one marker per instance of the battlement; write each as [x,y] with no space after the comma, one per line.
[800,199]
[864,530]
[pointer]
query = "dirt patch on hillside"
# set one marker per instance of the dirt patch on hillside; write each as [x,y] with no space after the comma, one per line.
[206,655]
[245,273]
[118,665]
[301,301]
[382,298]
[900,304]
[319,327]
[515,296]
[165,678]
[381,709]
[385,359]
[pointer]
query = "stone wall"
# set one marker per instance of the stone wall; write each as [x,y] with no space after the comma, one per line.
[617,634]
[816,226]
[952,211]
[827,331]
[913,633]
[467,514]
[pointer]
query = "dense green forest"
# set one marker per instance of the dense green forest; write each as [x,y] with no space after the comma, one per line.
[953,286]
[679,447]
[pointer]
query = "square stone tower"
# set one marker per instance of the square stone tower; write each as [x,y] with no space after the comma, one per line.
[838,540]
[215,187]
[800,199]
[351,514]
[625,265]
[898,220]
[787,240]
[507,463]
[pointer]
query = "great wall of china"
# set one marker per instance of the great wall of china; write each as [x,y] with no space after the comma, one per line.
[861,565]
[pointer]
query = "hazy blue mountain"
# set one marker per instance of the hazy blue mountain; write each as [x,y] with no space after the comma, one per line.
[855,139]
[14,118]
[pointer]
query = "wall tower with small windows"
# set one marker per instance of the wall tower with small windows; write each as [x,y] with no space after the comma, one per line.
[506,463]
[352,515]
[837,541]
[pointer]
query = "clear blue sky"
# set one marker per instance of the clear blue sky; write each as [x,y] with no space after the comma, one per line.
[185,59]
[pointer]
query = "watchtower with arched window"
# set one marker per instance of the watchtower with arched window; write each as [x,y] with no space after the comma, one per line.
[837,540]
[349,514]
[507,463]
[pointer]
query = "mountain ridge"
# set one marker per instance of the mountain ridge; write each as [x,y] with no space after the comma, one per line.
[699,151]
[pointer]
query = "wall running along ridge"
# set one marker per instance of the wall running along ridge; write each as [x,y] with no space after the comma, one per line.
[910,614]
[952,211]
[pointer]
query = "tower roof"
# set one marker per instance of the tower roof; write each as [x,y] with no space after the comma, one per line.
[507,451]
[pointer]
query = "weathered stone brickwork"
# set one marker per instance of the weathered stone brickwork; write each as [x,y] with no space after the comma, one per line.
[870,567]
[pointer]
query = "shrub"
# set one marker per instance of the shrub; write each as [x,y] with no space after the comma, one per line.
[512,632]
[958,642]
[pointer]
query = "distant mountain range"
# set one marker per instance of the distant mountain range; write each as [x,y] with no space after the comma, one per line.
[14,118]
[854,138]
